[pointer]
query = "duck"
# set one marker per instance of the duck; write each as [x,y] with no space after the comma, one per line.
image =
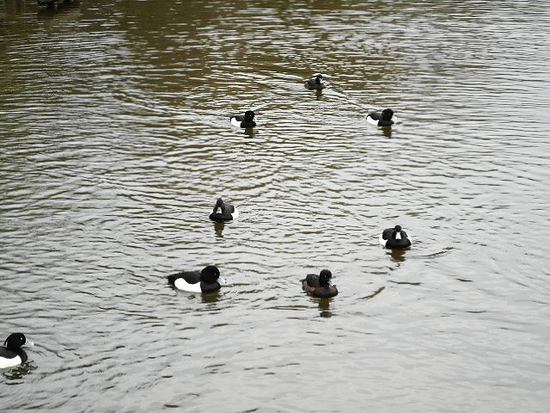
[395,238]
[243,121]
[11,353]
[315,83]
[319,286]
[383,118]
[207,280]
[223,212]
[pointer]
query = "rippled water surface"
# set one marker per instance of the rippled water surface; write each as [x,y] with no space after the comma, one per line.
[115,142]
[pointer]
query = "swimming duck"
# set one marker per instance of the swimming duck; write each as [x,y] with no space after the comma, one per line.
[207,280]
[246,121]
[11,353]
[319,286]
[315,83]
[381,119]
[223,212]
[395,238]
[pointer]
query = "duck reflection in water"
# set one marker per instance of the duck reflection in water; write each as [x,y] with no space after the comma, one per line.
[398,255]
[249,132]
[211,298]
[324,307]
[318,94]
[218,229]
[49,8]
[16,373]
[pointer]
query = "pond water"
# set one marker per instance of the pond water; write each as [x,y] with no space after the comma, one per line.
[116,142]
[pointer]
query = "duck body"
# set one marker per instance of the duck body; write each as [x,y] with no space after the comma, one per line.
[316,83]
[205,281]
[383,118]
[245,121]
[11,353]
[395,238]
[223,212]
[319,286]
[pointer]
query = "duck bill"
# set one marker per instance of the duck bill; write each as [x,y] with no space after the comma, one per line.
[28,343]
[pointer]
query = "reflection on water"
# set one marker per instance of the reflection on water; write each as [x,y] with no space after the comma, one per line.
[210,298]
[17,373]
[397,255]
[218,228]
[60,8]
[386,131]
[318,94]
[116,138]
[324,307]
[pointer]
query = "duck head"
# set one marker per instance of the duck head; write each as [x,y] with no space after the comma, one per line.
[210,274]
[249,116]
[17,340]
[386,114]
[324,278]
[397,230]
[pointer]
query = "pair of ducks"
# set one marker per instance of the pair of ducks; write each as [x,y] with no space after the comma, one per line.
[209,280]
[394,238]
[382,119]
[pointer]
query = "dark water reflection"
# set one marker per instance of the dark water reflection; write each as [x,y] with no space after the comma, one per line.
[116,142]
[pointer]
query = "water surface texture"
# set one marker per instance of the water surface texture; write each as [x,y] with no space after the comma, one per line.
[115,143]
